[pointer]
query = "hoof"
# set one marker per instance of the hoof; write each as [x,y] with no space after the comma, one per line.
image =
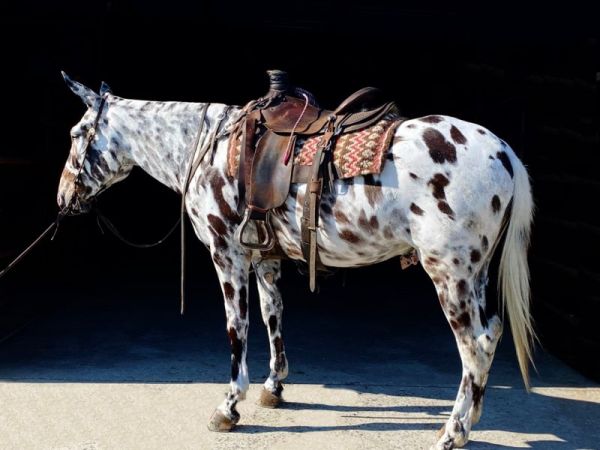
[269,400]
[457,438]
[460,435]
[441,431]
[221,423]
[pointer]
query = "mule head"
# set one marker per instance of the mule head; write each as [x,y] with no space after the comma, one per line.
[98,158]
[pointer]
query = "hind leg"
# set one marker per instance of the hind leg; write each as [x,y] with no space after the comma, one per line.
[490,320]
[462,297]
[271,306]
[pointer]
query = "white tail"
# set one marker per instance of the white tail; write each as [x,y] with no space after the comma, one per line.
[513,279]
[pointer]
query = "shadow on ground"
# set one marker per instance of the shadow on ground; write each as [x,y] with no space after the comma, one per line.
[389,341]
[566,424]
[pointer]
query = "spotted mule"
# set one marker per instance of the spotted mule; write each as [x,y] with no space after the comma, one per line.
[449,191]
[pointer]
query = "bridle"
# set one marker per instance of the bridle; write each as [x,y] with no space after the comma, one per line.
[199,150]
[66,210]
[91,133]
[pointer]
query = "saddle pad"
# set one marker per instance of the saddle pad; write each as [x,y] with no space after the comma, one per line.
[358,153]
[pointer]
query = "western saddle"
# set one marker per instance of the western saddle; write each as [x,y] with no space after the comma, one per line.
[267,130]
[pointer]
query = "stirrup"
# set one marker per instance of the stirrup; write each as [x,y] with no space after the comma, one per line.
[269,242]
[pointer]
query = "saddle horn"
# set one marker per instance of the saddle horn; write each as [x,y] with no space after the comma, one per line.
[278,82]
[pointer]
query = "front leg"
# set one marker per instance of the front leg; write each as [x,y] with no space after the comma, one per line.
[233,276]
[271,308]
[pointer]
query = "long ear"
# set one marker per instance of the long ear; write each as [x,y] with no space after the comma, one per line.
[104,89]
[88,96]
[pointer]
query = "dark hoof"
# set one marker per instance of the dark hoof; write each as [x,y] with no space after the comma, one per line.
[221,423]
[441,431]
[269,400]
[458,437]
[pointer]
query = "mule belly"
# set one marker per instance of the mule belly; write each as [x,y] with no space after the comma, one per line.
[335,254]
[363,252]
[351,232]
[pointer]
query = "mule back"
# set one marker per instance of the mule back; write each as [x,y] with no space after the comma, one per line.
[267,133]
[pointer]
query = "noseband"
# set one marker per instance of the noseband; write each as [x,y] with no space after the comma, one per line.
[91,133]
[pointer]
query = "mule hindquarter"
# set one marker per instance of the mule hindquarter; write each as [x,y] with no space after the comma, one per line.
[416,202]
[447,192]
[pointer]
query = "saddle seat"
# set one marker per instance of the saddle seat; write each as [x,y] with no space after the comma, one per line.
[267,131]
[293,114]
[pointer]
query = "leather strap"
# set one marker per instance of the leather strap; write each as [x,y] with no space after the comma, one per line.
[310,214]
[184,188]
[347,104]
[198,153]
[210,145]
[324,171]
[359,120]
[246,154]
[53,226]
[301,174]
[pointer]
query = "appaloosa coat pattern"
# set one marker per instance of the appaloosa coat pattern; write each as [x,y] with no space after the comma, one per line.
[448,190]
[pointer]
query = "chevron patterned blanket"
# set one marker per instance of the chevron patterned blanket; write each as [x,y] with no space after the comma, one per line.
[358,153]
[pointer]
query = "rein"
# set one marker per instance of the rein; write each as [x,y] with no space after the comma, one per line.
[198,153]
[67,209]
[53,226]
[199,150]
[103,220]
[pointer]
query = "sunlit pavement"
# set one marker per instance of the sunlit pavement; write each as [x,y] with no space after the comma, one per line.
[121,369]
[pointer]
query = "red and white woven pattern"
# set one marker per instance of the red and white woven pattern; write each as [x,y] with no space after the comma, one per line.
[358,153]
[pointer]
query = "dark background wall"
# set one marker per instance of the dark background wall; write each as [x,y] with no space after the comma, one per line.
[530,74]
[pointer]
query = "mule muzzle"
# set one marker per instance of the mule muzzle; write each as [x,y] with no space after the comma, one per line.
[71,204]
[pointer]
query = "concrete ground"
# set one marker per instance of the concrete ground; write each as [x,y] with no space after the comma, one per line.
[120,369]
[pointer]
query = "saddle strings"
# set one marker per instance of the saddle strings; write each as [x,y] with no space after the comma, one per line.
[290,146]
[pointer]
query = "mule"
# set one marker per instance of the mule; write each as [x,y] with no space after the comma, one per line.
[449,190]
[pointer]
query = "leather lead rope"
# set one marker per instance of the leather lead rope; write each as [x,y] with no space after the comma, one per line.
[199,150]
[198,153]
[65,211]
[51,227]
[103,220]
[184,189]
